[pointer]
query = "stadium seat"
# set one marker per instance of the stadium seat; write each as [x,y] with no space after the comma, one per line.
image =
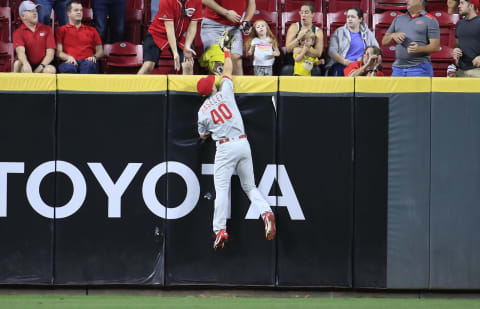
[338,19]
[86,3]
[441,60]
[289,18]
[122,58]
[447,24]
[6,57]
[267,5]
[133,26]
[388,5]
[437,5]
[388,57]
[5,24]
[340,5]
[165,66]
[88,17]
[270,17]
[381,22]
[294,5]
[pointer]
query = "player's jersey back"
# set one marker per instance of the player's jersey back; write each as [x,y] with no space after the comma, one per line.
[219,114]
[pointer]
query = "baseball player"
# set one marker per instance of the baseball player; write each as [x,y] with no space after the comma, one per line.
[220,118]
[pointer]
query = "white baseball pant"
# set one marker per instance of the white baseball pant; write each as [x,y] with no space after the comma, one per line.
[231,156]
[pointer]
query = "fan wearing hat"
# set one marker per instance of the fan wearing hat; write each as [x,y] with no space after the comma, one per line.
[220,118]
[33,42]
[467,34]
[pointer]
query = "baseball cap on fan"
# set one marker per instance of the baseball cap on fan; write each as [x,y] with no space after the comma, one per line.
[476,3]
[29,5]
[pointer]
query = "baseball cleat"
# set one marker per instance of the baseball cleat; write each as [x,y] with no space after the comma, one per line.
[269,221]
[221,239]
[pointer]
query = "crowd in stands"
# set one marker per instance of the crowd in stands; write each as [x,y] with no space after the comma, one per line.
[177,35]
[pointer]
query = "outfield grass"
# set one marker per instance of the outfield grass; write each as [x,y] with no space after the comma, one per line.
[131,302]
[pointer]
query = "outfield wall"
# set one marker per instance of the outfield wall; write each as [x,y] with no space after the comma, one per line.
[374,183]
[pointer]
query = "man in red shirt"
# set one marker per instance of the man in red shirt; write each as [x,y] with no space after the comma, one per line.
[370,64]
[231,15]
[78,46]
[34,43]
[174,26]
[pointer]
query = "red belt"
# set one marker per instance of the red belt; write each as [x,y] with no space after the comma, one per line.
[227,139]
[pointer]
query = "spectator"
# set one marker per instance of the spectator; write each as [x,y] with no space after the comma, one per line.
[164,31]
[369,65]
[295,34]
[45,10]
[452,6]
[416,35]
[116,11]
[231,15]
[33,42]
[263,46]
[348,42]
[467,31]
[78,46]
[304,63]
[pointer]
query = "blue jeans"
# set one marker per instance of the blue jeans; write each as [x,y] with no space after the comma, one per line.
[154,9]
[116,10]
[83,67]
[60,8]
[336,69]
[424,69]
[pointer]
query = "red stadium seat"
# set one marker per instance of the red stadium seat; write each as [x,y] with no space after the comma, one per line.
[122,58]
[5,24]
[289,18]
[381,22]
[340,5]
[6,57]
[133,26]
[338,19]
[88,17]
[388,5]
[294,5]
[86,3]
[270,17]
[437,5]
[267,5]
[388,57]
[165,66]
[441,60]
[447,27]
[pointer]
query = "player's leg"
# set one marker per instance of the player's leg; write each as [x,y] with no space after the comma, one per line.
[223,170]
[247,180]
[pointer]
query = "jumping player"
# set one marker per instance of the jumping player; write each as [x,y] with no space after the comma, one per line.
[219,117]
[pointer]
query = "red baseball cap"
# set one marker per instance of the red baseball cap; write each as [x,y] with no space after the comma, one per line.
[474,2]
[205,84]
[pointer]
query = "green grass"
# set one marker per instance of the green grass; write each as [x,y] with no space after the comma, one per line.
[131,302]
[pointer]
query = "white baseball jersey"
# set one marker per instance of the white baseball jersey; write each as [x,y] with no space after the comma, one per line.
[219,114]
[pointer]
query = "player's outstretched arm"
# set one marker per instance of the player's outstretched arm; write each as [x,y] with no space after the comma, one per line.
[227,66]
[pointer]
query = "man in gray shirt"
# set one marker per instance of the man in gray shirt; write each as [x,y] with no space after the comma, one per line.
[416,35]
[467,32]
